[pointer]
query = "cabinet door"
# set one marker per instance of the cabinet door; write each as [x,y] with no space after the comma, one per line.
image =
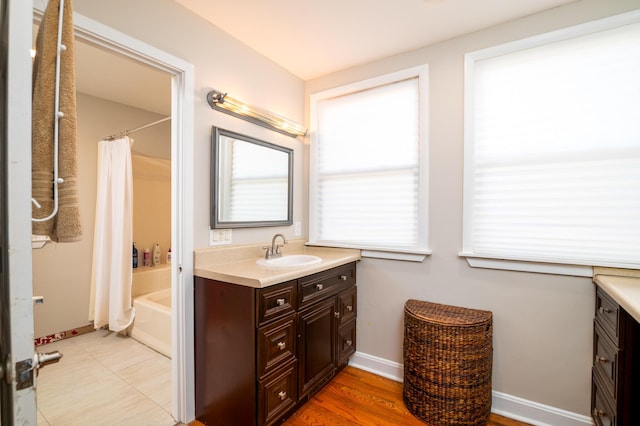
[317,334]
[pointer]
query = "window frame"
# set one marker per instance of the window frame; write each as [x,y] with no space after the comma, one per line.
[419,252]
[515,263]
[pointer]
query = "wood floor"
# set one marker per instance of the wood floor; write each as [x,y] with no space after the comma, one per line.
[359,398]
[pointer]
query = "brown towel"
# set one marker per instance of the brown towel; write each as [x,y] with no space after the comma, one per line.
[66,225]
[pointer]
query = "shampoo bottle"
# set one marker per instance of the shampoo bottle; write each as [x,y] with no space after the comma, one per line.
[156,255]
[146,257]
[169,256]
[135,256]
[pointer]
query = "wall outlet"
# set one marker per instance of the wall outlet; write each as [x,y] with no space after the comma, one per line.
[297,229]
[219,237]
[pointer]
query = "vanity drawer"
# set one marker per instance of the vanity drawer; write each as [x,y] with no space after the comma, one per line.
[608,315]
[326,283]
[276,301]
[276,344]
[346,342]
[602,411]
[605,359]
[277,395]
[347,305]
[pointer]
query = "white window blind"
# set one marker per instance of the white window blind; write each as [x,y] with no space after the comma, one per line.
[552,149]
[367,178]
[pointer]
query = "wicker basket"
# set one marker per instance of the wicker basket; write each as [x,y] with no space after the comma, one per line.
[448,356]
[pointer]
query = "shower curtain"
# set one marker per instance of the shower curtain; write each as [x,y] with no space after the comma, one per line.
[113,237]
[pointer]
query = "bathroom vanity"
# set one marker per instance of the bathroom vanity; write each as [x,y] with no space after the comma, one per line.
[616,351]
[268,338]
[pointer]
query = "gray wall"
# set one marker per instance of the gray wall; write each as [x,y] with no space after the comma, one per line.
[542,323]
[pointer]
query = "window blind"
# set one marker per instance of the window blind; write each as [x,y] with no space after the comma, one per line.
[552,152]
[367,172]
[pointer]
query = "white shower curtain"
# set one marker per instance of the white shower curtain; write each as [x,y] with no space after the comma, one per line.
[113,235]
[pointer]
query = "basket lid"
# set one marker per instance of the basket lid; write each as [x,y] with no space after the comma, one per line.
[446,314]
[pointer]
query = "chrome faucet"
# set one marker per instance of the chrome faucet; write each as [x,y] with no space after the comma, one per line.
[274,250]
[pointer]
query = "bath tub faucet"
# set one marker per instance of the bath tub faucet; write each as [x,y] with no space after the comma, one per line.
[274,250]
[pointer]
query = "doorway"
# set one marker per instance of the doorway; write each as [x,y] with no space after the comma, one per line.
[180,81]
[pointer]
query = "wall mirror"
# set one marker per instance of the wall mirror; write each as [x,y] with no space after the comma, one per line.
[251,182]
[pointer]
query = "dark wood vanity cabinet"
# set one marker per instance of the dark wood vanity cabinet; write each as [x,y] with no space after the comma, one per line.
[615,385]
[262,352]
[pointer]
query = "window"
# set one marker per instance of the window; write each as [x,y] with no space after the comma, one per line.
[368,165]
[552,147]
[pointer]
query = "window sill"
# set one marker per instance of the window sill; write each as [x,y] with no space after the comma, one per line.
[476,261]
[382,253]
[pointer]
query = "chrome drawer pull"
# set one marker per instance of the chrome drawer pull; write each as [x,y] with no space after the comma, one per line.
[349,308]
[281,345]
[280,302]
[282,395]
[343,277]
[605,311]
[336,314]
[601,360]
[319,286]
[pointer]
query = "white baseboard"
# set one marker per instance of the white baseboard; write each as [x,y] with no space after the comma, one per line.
[501,403]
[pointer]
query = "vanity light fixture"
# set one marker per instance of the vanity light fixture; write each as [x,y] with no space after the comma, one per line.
[230,105]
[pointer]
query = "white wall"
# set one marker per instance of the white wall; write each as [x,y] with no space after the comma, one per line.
[542,323]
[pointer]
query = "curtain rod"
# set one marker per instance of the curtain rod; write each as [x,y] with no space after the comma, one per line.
[144,126]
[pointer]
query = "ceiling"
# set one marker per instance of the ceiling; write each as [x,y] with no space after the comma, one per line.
[308,38]
[314,38]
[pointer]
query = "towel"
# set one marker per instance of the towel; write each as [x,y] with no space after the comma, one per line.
[66,225]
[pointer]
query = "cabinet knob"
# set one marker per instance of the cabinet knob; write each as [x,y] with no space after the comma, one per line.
[281,345]
[349,308]
[604,310]
[601,360]
[598,413]
[349,342]
[319,286]
[282,395]
[280,302]
[336,314]
[343,277]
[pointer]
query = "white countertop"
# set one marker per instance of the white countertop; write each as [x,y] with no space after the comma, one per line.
[237,264]
[625,290]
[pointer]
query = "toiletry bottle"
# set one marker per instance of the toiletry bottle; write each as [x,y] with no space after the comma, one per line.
[146,258]
[135,256]
[156,255]
[169,256]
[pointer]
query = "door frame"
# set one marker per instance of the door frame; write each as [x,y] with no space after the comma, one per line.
[182,87]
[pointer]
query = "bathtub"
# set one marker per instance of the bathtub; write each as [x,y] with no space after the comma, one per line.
[152,323]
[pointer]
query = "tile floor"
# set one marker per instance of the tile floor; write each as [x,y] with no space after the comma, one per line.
[104,379]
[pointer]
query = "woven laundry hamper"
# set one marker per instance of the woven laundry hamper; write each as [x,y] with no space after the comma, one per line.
[448,357]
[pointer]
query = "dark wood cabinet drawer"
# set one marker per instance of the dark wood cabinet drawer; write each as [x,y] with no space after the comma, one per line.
[276,344]
[276,301]
[327,283]
[346,342]
[347,305]
[277,395]
[602,411]
[605,359]
[608,315]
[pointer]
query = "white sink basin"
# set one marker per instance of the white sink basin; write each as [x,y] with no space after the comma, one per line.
[290,261]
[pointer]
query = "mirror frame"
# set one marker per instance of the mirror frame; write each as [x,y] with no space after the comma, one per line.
[215,181]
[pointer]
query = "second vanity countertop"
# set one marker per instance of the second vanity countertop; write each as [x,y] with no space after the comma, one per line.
[237,264]
[623,288]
